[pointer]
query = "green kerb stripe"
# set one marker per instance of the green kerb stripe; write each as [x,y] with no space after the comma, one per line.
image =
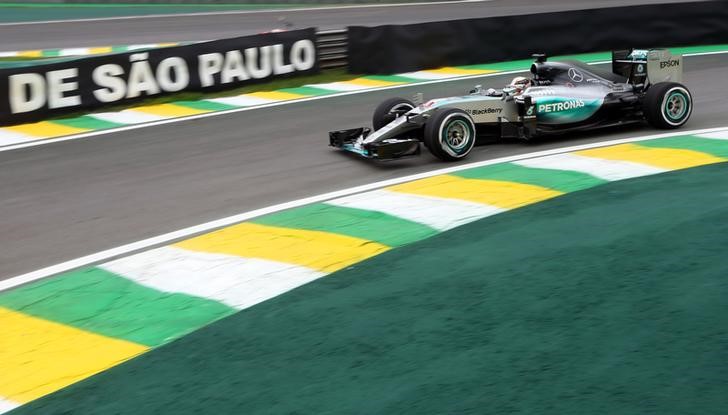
[561,180]
[373,226]
[307,90]
[718,148]
[88,122]
[392,78]
[205,105]
[102,302]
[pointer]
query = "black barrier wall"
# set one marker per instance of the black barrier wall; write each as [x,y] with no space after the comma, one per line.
[40,91]
[402,48]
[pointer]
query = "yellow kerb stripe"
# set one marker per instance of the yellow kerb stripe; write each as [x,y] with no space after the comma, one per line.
[371,82]
[31,53]
[449,70]
[45,129]
[169,110]
[275,95]
[665,158]
[497,193]
[99,50]
[38,357]
[321,251]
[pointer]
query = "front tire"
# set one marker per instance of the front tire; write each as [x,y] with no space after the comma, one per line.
[450,134]
[385,112]
[667,105]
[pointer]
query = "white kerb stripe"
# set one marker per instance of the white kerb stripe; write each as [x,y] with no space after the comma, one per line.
[6,405]
[142,46]
[342,86]
[235,281]
[438,213]
[242,101]
[428,75]
[8,54]
[8,137]
[74,52]
[127,117]
[601,168]
[720,135]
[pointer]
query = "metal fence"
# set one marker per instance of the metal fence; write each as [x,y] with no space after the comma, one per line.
[332,47]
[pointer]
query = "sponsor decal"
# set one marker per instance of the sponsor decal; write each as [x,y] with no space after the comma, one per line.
[575,75]
[561,106]
[669,63]
[483,111]
[36,92]
[638,54]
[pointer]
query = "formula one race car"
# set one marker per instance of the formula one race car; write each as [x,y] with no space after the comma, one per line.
[559,97]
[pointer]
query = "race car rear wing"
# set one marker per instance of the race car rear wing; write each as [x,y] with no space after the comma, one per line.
[647,66]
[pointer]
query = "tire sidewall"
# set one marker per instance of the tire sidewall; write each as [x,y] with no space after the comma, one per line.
[655,105]
[436,134]
[672,91]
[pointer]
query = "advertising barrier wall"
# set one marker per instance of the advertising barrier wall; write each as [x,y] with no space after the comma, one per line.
[402,48]
[34,93]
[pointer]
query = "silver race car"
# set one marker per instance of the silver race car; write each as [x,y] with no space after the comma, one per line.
[558,97]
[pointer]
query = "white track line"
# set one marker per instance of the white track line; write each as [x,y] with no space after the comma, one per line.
[234,12]
[294,101]
[6,405]
[206,227]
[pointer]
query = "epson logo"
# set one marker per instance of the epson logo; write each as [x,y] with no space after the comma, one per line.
[561,106]
[485,111]
[669,64]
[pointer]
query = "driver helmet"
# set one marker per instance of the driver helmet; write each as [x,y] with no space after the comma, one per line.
[520,84]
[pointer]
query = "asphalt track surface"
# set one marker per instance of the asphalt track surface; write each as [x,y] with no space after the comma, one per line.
[172,28]
[64,200]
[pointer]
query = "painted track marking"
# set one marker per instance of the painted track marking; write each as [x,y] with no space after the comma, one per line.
[216,224]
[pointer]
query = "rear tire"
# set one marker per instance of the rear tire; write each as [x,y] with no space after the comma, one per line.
[667,105]
[450,134]
[383,114]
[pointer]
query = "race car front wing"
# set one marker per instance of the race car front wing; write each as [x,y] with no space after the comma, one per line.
[353,140]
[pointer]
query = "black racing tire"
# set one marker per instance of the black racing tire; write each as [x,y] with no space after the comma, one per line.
[383,113]
[450,134]
[667,105]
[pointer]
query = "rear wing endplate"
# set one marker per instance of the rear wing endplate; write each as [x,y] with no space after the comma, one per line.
[648,66]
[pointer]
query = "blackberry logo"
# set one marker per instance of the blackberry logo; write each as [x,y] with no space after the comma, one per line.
[485,111]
